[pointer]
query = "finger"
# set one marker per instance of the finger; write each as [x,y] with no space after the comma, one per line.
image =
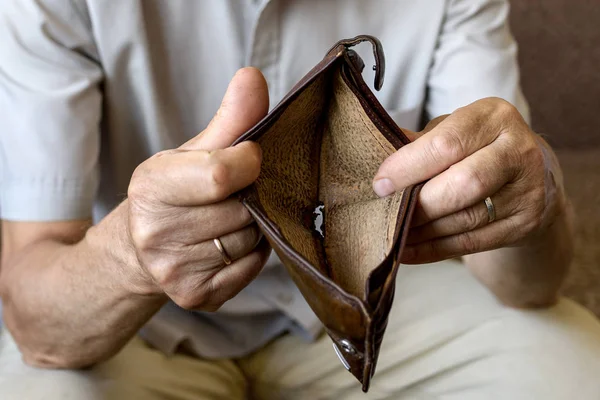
[466,183]
[192,178]
[229,281]
[468,219]
[490,237]
[192,225]
[245,103]
[452,140]
[236,245]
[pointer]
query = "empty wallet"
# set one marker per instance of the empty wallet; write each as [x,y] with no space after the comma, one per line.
[322,146]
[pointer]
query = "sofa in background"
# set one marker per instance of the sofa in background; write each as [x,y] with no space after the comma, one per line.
[559,53]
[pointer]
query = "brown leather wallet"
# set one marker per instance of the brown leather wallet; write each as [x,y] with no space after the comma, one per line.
[322,145]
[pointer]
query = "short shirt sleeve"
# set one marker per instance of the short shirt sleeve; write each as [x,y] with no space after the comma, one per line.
[50,110]
[476,57]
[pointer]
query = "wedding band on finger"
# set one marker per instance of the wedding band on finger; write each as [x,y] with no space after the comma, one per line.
[221,249]
[491,210]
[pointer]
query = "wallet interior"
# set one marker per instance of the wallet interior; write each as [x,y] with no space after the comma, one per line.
[324,149]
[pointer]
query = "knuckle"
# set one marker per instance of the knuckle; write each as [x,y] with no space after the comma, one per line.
[468,243]
[448,145]
[468,182]
[243,214]
[145,235]
[532,220]
[507,116]
[538,199]
[142,235]
[210,295]
[189,297]
[499,106]
[161,270]
[534,155]
[164,153]
[511,159]
[517,231]
[504,107]
[255,264]
[43,358]
[145,180]
[220,295]
[147,176]
[255,234]
[538,212]
[208,300]
[530,166]
[524,225]
[186,301]
[218,178]
[135,190]
[472,219]
[236,243]
[247,239]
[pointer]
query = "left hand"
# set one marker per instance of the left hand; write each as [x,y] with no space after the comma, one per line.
[483,149]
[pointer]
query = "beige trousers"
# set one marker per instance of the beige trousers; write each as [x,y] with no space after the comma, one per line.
[447,338]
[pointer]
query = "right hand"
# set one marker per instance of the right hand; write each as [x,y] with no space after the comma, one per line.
[179,202]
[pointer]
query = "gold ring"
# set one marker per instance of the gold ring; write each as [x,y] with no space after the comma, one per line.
[490,209]
[221,249]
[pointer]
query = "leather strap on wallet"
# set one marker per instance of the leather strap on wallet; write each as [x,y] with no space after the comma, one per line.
[322,146]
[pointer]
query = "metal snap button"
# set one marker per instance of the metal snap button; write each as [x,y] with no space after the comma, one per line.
[347,346]
[342,359]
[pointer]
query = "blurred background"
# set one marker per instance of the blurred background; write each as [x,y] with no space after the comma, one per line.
[559,52]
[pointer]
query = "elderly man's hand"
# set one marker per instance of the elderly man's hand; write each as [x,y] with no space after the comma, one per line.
[483,150]
[179,202]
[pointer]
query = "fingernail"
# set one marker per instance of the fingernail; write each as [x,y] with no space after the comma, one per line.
[383,187]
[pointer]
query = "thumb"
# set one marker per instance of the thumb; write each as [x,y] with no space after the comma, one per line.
[246,102]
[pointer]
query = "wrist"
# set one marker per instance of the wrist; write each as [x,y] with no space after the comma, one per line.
[110,238]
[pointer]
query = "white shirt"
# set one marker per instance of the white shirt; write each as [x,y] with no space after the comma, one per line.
[90,89]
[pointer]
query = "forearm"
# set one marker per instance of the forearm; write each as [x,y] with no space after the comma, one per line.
[532,273]
[71,305]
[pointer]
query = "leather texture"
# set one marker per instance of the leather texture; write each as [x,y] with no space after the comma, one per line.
[322,145]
